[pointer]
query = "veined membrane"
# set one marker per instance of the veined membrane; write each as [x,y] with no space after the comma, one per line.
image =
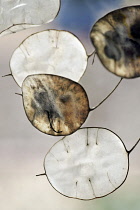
[54,105]
[49,52]
[89,164]
[16,15]
[116,38]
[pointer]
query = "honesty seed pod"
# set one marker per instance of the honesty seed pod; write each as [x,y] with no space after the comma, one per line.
[49,52]
[89,164]
[16,15]
[55,105]
[116,38]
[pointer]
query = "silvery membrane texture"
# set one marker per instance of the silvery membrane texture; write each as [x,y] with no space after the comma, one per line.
[49,52]
[16,15]
[91,163]
[116,38]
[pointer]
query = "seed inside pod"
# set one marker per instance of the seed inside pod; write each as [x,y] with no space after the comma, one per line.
[54,105]
[116,38]
[49,52]
[18,15]
[89,164]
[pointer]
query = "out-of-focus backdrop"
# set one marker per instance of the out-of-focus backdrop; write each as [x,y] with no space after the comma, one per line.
[23,148]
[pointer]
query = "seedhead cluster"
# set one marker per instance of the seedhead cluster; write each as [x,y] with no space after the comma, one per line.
[86,163]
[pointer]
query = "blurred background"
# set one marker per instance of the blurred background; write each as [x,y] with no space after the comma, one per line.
[23,148]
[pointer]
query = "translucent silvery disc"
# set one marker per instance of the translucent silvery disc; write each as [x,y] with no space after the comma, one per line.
[116,38]
[49,52]
[16,15]
[91,163]
[54,105]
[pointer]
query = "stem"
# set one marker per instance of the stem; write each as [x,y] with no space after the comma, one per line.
[134,146]
[94,54]
[18,94]
[94,57]
[106,96]
[7,75]
[41,174]
[91,54]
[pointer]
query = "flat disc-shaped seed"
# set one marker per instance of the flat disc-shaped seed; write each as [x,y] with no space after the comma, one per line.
[54,105]
[16,15]
[116,38]
[88,164]
[49,52]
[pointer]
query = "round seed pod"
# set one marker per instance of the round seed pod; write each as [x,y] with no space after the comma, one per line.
[18,15]
[54,105]
[49,52]
[89,164]
[116,38]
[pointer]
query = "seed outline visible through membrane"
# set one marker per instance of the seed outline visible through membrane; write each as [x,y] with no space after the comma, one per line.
[116,43]
[52,66]
[79,108]
[107,175]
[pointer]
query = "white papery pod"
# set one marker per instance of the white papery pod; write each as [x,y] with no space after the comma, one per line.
[49,52]
[91,163]
[16,15]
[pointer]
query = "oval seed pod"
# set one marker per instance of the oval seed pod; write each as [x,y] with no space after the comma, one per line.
[18,15]
[116,38]
[89,164]
[49,52]
[56,105]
